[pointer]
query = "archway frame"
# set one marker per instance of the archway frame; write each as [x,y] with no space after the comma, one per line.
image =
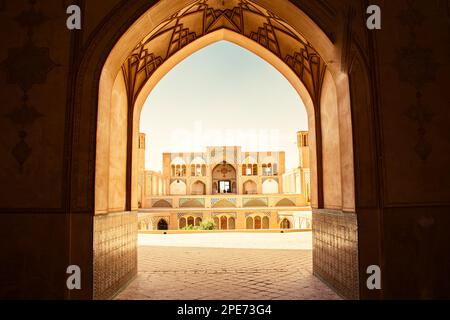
[97,72]
[313,101]
[233,178]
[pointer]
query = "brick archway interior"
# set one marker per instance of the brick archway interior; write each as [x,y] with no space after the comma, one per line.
[157,42]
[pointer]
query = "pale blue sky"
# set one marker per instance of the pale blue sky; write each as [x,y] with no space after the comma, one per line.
[222,95]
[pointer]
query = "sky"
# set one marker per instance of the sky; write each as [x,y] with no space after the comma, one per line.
[222,95]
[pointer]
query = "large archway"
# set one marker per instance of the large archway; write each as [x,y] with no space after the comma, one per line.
[224,178]
[294,45]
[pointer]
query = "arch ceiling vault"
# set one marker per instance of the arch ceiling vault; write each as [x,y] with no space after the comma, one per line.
[206,16]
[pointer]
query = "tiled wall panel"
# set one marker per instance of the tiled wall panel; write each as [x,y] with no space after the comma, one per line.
[115,252]
[335,254]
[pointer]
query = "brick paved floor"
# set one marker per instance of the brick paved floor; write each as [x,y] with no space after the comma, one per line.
[174,273]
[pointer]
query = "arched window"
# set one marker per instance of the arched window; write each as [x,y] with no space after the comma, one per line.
[223,223]
[249,167]
[198,167]
[173,171]
[249,223]
[231,223]
[183,170]
[255,169]
[257,222]
[285,224]
[178,187]
[198,221]
[198,188]
[190,221]
[162,225]
[265,222]
[216,223]
[182,223]
[269,169]
[270,186]
[223,178]
[250,187]
[204,170]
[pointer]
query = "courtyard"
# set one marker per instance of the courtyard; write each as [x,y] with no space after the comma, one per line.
[226,266]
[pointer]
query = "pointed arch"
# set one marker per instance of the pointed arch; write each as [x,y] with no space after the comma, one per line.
[250,187]
[285,203]
[192,203]
[223,223]
[285,224]
[255,203]
[265,222]
[258,222]
[100,74]
[198,188]
[162,204]
[224,203]
[270,186]
[162,224]
[178,187]
[249,223]
[231,223]
[182,223]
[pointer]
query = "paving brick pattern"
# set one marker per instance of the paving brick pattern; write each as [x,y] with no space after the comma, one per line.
[176,273]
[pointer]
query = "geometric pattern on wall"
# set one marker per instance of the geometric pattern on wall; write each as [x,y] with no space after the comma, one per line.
[214,201]
[335,254]
[255,202]
[26,66]
[417,67]
[224,203]
[229,214]
[190,214]
[156,219]
[285,203]
[240,16]
[162,203]
[115,252]
[192,203]
[251,214]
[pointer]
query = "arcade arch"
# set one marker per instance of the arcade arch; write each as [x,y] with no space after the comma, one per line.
[141,57]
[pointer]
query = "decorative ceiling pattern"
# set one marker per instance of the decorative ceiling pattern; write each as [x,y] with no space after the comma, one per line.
[205,16]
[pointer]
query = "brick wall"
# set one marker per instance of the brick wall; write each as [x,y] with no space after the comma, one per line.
[115,252]
[335,251]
